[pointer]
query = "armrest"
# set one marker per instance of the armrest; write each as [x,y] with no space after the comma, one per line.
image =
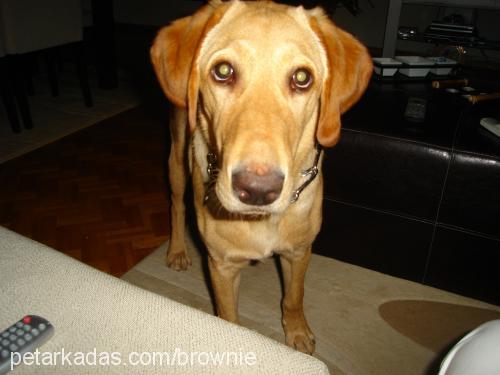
[94,312]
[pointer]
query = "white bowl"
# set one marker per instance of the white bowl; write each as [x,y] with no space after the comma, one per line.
[386,66]
[443,65]
[415,66]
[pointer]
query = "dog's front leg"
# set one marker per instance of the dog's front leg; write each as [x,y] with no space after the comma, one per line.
[298,335]
[177,257]
[225,278]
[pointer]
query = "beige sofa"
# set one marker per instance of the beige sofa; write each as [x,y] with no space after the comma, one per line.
[103,324]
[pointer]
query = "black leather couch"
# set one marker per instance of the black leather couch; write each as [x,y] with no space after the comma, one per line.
[419,201]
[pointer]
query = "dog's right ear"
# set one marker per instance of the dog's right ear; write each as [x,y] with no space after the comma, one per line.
[349,71]
[175,49]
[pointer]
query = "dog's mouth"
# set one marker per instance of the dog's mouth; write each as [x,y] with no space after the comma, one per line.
[226,206]
[252,215]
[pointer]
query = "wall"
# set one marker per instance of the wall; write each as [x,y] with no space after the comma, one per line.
[153,12]
[420,16]
[369,26]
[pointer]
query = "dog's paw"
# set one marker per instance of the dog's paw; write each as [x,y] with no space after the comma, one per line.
[178,261]
[300,338]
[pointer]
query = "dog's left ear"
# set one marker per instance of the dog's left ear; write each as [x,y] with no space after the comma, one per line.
[349,71]
[174,53]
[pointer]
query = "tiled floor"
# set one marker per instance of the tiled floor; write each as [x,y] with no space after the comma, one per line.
[56,117]
[97,193]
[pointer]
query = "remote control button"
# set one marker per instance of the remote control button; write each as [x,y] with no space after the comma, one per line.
[19,324]
[27,320]
[27,327]
[35,332]
[21,342]
[13,347]
[12,329]
[42,326]
[28,337]
[12,337]
[5,353]
[19,332]
[5,334]
[5,342]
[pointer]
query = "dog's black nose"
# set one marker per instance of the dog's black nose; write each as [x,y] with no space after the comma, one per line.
[257,185]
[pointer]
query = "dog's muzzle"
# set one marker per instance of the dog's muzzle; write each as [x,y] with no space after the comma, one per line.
[258,189]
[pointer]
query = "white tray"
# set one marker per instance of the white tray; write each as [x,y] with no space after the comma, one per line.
[415,66]
[386,66]
[443,65]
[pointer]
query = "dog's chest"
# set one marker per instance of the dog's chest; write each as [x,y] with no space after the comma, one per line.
[268,237]
[255,240]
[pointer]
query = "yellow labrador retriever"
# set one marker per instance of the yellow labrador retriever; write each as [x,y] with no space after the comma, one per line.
[258,87]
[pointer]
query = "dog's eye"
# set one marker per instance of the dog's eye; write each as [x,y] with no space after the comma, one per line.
[223,72]
[301,79]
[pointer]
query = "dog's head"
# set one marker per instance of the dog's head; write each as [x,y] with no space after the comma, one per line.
[263,82]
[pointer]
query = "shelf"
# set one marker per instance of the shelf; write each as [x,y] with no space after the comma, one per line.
[394,12]
[480,44]
[476,4]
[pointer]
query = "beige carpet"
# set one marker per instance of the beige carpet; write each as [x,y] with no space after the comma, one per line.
[366,323]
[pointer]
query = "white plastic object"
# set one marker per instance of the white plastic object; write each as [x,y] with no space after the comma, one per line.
[386,66]
[493,125]
[415,66]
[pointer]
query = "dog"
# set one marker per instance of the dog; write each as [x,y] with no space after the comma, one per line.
[259,89]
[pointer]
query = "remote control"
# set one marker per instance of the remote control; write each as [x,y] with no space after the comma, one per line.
[23,336]
[415,109]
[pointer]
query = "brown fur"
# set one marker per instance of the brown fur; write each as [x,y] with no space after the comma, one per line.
[258,123]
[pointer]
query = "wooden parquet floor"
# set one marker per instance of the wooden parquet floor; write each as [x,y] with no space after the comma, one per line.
[99,195]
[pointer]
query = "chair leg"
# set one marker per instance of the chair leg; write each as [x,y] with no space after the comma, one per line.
[24,105]
[7,91]
[104,39]
[51,58]
[20,90]
[59,60]
[29,69]
[10,107]
[81,66]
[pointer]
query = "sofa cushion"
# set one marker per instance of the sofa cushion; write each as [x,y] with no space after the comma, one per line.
[94,312]
[386,173]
